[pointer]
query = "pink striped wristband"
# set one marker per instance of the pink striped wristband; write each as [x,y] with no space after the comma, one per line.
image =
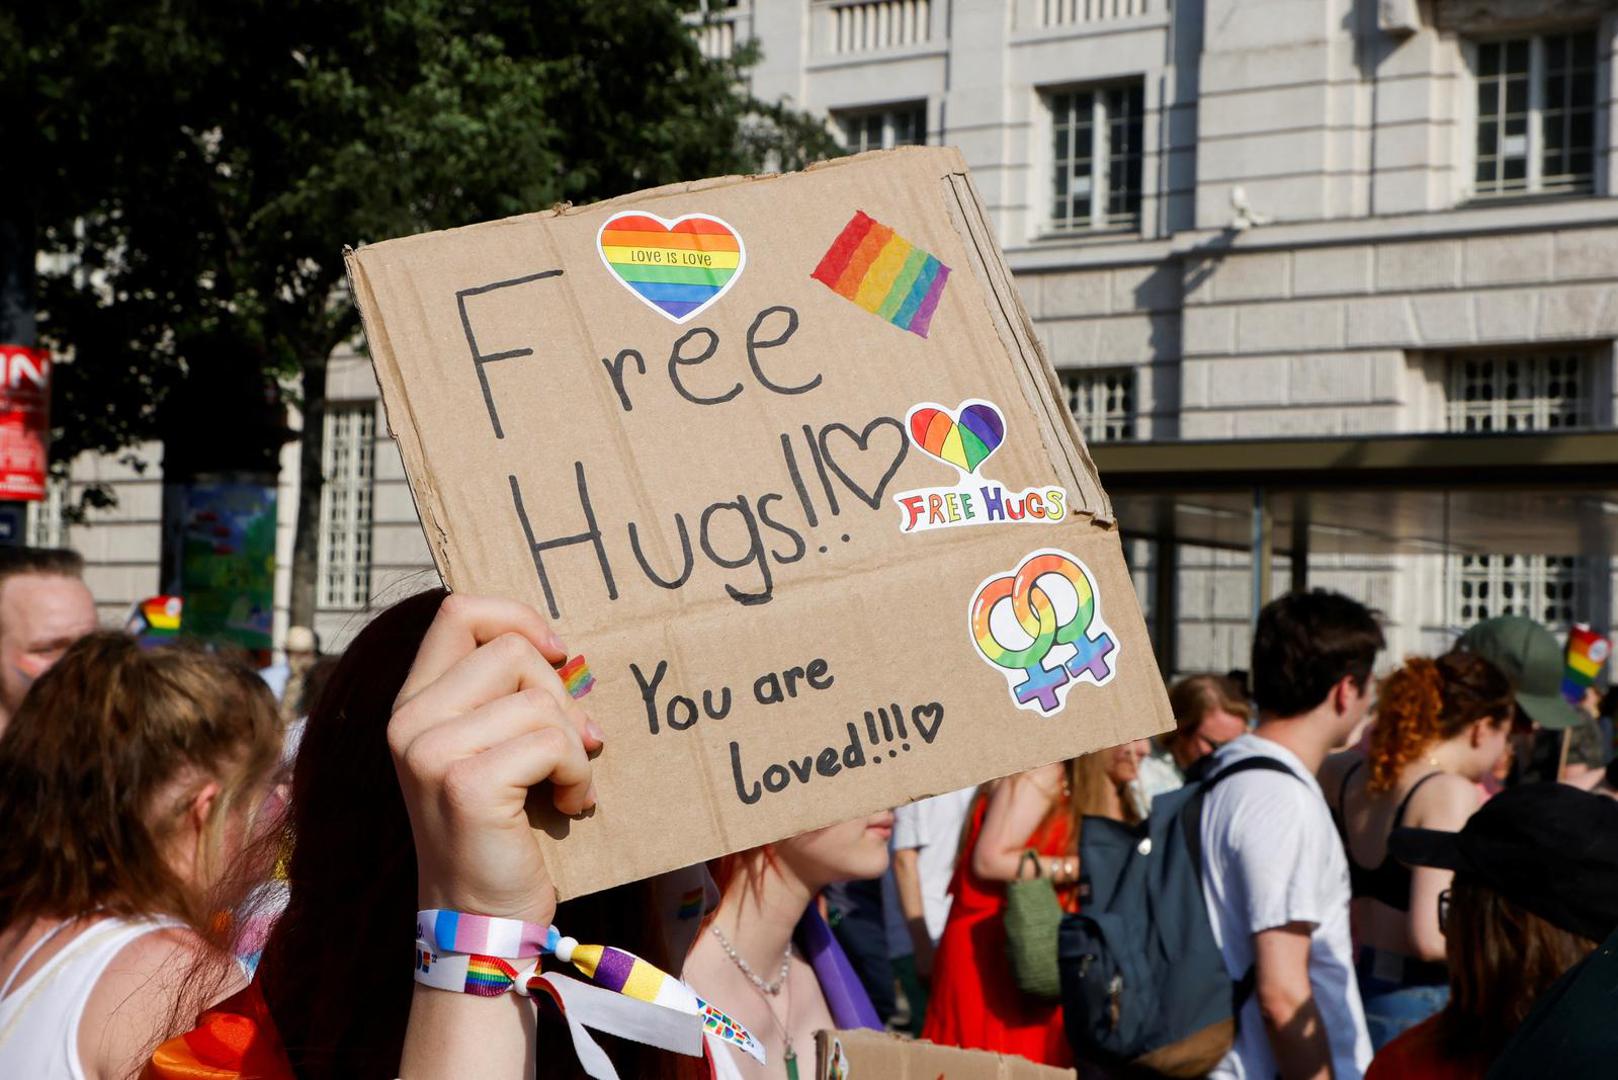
[458,932]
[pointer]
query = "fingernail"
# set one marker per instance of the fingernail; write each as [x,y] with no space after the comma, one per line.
[556,643]
[593,729]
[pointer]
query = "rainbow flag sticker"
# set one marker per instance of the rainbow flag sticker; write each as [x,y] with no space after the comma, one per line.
[1586,652]
[884,273]
[676,267]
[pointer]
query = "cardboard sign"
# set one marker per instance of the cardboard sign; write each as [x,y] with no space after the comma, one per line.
[877,1055]
[781,457]
[25,406]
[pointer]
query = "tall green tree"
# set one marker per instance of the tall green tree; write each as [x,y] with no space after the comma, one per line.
[200,166]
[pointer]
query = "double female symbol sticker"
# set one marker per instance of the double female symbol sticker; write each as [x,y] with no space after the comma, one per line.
[1041,625]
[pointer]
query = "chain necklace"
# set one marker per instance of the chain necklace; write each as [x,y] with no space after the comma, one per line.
[789,1056]
[772,989]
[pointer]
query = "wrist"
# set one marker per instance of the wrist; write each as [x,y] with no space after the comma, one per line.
[539,908]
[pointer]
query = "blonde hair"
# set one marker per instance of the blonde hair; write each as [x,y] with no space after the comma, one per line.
[87,767]
[1088,786]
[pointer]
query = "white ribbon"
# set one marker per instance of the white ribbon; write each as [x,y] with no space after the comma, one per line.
[590,1007]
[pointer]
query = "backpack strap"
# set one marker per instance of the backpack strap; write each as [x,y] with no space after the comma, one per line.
[1192,825]
[1191,822]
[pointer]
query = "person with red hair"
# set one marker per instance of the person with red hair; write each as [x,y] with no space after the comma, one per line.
[769,955]
[1440,725]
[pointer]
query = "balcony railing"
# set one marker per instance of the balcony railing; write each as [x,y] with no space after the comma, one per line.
[1074,12]
[717,39]
[880,24]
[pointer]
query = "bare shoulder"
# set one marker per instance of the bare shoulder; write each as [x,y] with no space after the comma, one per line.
[151,991]
[1443,802]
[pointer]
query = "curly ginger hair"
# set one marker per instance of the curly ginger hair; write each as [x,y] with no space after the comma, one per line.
[1428,701]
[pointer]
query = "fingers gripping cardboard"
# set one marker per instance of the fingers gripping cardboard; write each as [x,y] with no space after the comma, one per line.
[723,434]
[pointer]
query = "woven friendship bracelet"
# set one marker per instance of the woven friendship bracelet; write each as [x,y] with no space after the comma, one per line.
[486,975]
[456,932]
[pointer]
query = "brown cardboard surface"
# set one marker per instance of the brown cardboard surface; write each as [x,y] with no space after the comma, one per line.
[743,537]
[877,1055]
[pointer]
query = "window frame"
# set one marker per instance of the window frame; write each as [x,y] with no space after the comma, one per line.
[1533,573]
[354,569]
[1533,187]
[917,109]
[1095,423]
[1590,409]
[1103,161]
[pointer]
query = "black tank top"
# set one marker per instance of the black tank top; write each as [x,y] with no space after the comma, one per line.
[1389,881]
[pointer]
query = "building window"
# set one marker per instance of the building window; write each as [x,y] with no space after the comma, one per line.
[1096,157]
[883,129]
[348,463]
[1520,391]
[45,522]
[1102,400]
[1536,114]
[1549,589]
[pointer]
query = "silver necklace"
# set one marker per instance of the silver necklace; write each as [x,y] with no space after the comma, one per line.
[770,988]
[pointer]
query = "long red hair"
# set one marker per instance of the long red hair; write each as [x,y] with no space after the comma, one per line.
[1428,701]
[334,969]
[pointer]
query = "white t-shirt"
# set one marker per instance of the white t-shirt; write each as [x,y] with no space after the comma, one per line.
[933,827]
[1273,857]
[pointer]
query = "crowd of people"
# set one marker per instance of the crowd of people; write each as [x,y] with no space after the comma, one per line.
[202,878]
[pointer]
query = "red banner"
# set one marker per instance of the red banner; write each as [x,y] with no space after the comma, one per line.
[25,402]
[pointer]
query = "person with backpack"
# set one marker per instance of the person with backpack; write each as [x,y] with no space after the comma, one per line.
[1274,873]
[1214,939]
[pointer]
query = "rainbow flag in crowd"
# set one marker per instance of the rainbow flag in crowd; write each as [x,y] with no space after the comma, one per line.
[1586,652]
[883,273]
[155,620]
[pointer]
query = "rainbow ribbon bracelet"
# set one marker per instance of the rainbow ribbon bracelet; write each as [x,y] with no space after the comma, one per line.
[443,963]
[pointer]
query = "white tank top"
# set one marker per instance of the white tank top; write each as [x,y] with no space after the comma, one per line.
[39,1016]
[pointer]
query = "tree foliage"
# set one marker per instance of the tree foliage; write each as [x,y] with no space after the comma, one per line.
[197,168]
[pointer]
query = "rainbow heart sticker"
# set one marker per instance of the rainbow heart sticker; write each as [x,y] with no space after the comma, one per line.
[964,438]
[676,267]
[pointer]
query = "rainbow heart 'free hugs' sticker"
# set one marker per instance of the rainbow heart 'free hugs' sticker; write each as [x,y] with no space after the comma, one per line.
[966,437]
[676,267]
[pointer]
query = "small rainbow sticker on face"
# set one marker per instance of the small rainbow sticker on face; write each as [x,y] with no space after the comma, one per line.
[576,677]
[692,903]
[964,438]
[884,273]
[676,267]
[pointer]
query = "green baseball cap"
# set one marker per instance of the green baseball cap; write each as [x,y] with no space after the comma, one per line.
[1531,657]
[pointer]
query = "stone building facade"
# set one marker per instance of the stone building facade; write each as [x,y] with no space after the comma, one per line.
[1230,219]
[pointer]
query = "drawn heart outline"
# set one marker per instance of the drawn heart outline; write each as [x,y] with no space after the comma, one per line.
[964,437]
[862,441]
[933,709]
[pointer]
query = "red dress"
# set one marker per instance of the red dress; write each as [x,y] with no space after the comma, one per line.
[975,1002]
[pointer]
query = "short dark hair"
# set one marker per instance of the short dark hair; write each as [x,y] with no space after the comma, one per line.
[56,562]
[1305,643]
